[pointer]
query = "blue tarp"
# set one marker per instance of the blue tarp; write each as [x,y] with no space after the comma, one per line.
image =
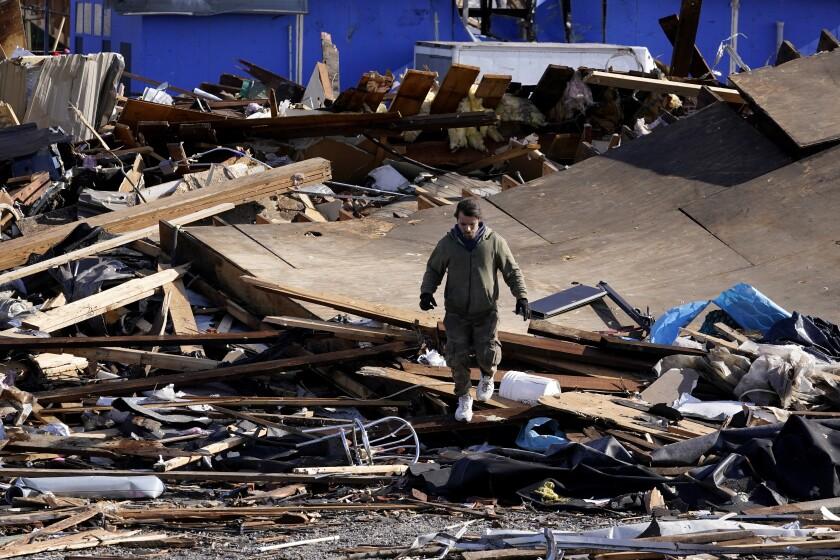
[751,309]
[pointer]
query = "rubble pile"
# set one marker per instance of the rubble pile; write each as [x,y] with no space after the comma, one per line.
[205,328]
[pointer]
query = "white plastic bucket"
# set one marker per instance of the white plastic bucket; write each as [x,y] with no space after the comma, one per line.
[527,388]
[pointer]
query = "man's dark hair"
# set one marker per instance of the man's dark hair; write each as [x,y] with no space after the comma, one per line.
[468,207]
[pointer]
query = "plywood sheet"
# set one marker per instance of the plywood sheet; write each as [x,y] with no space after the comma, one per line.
[778,214]
[11,28]
[799,96]
[413,89]
[456,85]
[633,185]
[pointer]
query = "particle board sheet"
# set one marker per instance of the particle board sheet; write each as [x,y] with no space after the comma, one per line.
[633,185]
[412,92]
[456,85]
[781,213]
[799,96]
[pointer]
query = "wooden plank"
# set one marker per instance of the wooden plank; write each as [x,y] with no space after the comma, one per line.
[211,449]
[684,89]
[77,541]
[455,87]
[32,192]
[813,506]
[355,469]
[350,332]
[413,90]
[492,88]
[97,304]
[72,342]
[505,155]
[236,191]
[108,244]
[433,385]
[135,110]
[7,115]
[129,356]
[567,382]
[603,409]
[698,67]
[541,327]
[686,35]
[180,311]
[134,176]
[797,97]
[180,379]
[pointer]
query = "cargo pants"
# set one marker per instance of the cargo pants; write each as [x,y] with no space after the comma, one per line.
[471,335]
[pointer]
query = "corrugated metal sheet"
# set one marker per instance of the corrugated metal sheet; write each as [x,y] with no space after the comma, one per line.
[87,81]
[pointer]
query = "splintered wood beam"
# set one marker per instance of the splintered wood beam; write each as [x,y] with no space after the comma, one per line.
[159,360]
[236,191]
[341,330]
[97,304]
[70,342]
[686,36]
[698,67]
[270,367]
[626,81]
[108,244]
[180,311]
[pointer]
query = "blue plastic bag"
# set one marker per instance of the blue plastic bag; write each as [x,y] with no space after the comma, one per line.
[529,439]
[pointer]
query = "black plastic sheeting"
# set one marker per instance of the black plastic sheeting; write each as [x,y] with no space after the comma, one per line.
[819,337]
[798,459]
[766,465]
[602,469]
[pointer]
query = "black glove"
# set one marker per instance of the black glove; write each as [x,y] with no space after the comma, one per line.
[427,302]
[522,308]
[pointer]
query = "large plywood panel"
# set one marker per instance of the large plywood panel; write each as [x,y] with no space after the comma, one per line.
[800,96]
[631,186]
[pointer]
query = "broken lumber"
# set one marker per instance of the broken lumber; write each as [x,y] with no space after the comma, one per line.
[158,360]
[341,330]
[97,304]
[180,379]
[109,244]
[600,78]
[236,191]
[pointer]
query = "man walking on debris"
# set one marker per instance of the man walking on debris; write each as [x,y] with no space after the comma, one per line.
[471,254]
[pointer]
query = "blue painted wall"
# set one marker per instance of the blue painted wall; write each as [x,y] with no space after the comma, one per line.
[186,51]
[380,34]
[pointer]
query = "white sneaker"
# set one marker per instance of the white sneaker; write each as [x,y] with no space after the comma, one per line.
[464,411]
[484,391]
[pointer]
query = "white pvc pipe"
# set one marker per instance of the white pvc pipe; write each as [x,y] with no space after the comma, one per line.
[126,487]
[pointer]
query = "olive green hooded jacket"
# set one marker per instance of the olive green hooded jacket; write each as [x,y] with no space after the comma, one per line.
[472,285]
